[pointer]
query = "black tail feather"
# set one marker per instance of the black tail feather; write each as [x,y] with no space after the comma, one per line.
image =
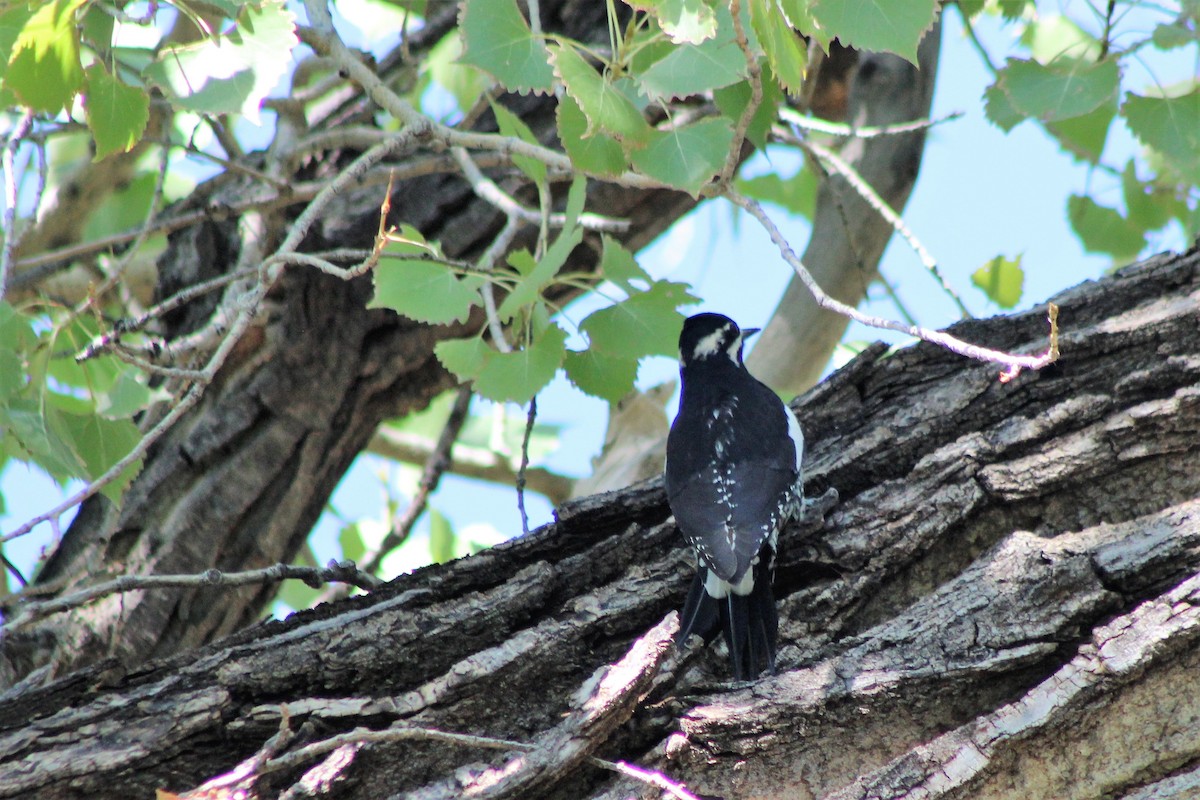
[750,624]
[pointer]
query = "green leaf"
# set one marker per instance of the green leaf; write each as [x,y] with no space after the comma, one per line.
[497,39]
[351,541]
[1084,136]
[529,287]
[230,73]
[1060,90]
[127,396]
[797,194]
[443,544]
[693,69]
[609,376]
[1149,208]
[126,208]
[732,100]
[802,19]
[44,69]
[100,443]
[690,21]
[597,154]
[466,358]
[619,266]
[1103,230]
[116,113]
[1001,280]
[607,109]
[425,291]
[1170,36]
[686,157]
[519,375]
[35,437]
[643,324]
[896,26]
[512,125]
[998,107]
[1170,125]
[786,51]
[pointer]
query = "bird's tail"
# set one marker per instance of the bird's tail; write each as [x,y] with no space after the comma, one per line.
[749,622]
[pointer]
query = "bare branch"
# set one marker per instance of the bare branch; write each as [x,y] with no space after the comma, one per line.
[868,193]
[754,72]
[470,462]
[344,572]
[12,239]
[1014,363]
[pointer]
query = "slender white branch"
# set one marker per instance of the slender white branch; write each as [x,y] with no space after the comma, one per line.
[1014,363]
[868,193]
[793,117]
[9,226]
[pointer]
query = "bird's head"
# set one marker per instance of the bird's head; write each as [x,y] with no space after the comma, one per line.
[707,337]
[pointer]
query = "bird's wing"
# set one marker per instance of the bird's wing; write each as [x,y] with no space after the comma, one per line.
[727,501]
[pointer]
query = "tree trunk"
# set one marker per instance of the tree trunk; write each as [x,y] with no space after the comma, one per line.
[1004,602]
[240,482]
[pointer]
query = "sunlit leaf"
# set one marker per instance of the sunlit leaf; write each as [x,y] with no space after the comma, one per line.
[1001,279]
[644,324]
[693,69]
[609,376]
[116,112]
[44,69]
[690,21]
[231,72]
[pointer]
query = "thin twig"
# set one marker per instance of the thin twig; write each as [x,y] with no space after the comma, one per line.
[1014,363]
[529,420]
[344,572]
[754,73]
[868,193]
[487,189]
[793,117]
[435,466]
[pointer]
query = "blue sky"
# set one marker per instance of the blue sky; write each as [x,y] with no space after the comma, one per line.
[981,193]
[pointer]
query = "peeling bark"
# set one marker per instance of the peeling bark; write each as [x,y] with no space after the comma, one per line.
[1003,604]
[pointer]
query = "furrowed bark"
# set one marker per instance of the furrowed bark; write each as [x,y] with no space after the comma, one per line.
[1001,604]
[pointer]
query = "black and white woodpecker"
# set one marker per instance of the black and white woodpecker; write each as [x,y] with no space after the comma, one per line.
[733,479]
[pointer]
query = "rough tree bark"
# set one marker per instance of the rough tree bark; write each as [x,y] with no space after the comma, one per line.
[240,483]
[1004,602]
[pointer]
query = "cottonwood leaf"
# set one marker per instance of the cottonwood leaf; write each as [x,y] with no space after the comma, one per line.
[686,157]
[786,51]
[696,68]
[1001,279]
[1170,125]
[609,376]
[691,21]
[1103,230]
[1060,90]
[643,324]
[423,290]
[596,154]
[896,26]
[44,69]
[498,40]
[519,375]
[607,109]
[116,112]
